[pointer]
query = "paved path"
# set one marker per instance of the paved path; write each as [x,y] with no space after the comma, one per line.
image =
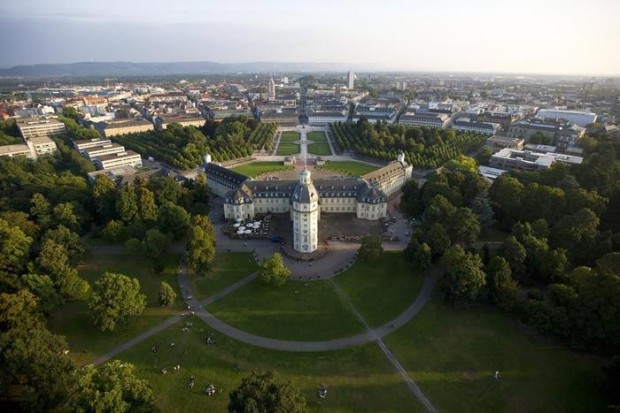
[310,346]
[137,340]
[411,385]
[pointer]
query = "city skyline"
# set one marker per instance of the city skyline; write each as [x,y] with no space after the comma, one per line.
[564,38]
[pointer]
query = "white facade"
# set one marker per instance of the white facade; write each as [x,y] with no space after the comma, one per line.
[128,158]
[577,117]
[34,128]
[43,145]
[98,151]
[305,214]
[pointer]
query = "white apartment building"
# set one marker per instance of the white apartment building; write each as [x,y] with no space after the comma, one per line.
[38,127]
[115,160]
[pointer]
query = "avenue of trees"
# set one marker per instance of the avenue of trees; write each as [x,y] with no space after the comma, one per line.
[423,147]
[185,147]
[558,267]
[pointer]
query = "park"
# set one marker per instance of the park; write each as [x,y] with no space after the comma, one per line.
[535,372]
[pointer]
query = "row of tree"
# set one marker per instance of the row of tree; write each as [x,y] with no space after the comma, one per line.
[423,147]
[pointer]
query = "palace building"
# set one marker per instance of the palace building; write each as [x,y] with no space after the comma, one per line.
[306,199]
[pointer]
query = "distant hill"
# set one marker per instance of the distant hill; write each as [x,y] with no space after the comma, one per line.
[83,69]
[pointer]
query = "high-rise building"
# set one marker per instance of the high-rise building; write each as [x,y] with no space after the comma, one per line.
[272,89]
[351,80]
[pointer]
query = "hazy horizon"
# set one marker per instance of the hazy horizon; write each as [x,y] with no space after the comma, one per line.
[552,38]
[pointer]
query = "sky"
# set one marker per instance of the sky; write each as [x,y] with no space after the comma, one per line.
[524,36]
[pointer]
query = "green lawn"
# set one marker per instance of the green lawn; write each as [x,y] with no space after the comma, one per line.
[321,149]
[452,354]
[352,168]
[382,290]
[72,320]
[313,311]
[297,311]
[287,147]
[290,136]
[228,268]
[317,136]
[255,169]
[359,379]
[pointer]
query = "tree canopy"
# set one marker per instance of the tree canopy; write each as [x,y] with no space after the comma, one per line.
[261,392]
[114,300]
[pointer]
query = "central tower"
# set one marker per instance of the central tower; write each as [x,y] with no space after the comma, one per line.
[305,214]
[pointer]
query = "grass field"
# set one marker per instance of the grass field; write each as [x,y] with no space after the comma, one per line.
[255,169]
[287,147]
[359,379]
[320,145]
[228,268]
[297,311]
[73,319]
[369,285]
[313,311]
[352,168]
[452,354]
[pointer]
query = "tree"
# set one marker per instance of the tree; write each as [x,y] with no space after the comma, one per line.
[201,244]
[127,203]
[463,163]
[54,260]
[463,226]
[64,214]
[133,246]
[418,254]
[114,300]
[148,209]
[41,210]
[481,206]
[505,194]
[503,290]
[69,240]
[43,288]
[409,198]
[166,294]
[35,359]
[371,248]
[273,271]
[155,244]
[113,387]
[104,194]
[515,255]
[19,310]
[261,392]
[173,219]
[438,210]
[14,252]
[437,238]
[114,231]
[463,278]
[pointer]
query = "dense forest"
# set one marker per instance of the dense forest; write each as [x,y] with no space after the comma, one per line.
[423,147]
[556,264]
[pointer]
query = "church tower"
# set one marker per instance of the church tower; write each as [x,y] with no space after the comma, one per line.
[305,214]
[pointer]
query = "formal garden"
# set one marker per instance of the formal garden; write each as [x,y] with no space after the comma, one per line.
[287,145]
[319,145]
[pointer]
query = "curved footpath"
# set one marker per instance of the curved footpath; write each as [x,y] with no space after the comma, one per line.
[302,346]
